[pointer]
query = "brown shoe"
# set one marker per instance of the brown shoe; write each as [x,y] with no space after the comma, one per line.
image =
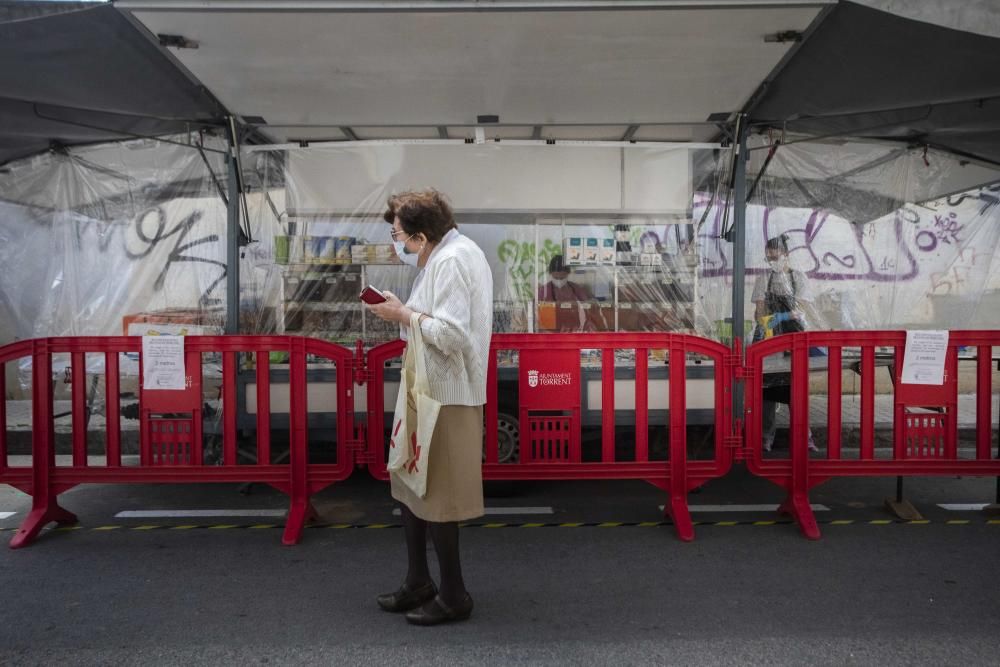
[436,612]
[406,599]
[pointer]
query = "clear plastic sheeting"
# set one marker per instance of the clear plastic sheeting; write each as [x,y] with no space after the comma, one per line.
[879,236]
[131,237]
[580,238]
[118,238]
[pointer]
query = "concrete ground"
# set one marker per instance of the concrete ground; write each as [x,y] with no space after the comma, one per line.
[154,590]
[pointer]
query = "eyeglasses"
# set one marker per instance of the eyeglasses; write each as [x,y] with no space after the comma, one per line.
[396,232]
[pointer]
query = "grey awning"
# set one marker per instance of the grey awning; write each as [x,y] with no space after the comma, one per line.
[869,73]
[79,73]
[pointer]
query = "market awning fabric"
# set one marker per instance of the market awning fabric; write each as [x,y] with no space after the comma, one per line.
[77,73]
[329,71]
[869,73]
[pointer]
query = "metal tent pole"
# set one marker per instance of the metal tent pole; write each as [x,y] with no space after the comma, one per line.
[738,237]
[233,235]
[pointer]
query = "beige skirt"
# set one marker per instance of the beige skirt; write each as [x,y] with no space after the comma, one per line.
[454,469]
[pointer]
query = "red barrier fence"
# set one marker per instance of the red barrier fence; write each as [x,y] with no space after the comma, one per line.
[537,397]
[171,422]
[549,394]
[925,417]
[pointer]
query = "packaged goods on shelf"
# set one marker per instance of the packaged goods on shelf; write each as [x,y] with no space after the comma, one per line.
[342,249]
[327,250]
[650,259]
[281,249]
[309,255]
[373,253]
[362,254]
[573,250]
[546,316]
[592,251]
[296,249]
[386,254]
[197,321]
[608,251]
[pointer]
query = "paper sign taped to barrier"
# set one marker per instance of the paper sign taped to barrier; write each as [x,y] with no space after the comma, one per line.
[923,359]
[163,362]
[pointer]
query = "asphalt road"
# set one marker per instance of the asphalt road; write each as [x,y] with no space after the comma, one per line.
[867,593]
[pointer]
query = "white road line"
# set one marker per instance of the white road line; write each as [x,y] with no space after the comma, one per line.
[962,507]
[506,510]
[745,508]
[149,514]
[7,515]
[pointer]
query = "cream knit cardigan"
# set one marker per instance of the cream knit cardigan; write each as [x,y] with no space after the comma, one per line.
[455,288]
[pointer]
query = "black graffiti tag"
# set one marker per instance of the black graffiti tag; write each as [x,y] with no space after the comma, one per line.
[151,229]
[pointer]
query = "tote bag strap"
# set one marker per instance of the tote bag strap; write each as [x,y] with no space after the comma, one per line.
[416,339]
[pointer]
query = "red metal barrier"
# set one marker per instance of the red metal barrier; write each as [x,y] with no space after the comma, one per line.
[924,443]
[171,438]
[550,422]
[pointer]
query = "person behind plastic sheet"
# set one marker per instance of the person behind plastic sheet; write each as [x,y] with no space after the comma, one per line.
[779,296]
[561,290]
[454,295]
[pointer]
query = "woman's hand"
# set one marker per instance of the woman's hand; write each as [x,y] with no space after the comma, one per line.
[391,310]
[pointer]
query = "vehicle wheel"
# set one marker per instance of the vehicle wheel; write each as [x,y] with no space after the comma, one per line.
[508,439]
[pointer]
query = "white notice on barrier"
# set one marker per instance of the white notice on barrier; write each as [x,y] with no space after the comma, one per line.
[163,362]
[923,360]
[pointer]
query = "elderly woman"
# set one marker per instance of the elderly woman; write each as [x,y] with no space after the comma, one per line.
[453,294]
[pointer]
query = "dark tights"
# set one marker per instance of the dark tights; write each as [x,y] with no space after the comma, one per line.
[445,538]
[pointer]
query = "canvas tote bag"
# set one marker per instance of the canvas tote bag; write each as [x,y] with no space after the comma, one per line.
[415,418]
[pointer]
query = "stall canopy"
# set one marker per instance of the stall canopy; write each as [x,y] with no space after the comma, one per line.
[79,73]
[870,73]
[559,70]
[336,70]
[885,71]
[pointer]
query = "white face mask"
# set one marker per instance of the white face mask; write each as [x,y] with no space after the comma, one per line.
[559,282]
[404,255]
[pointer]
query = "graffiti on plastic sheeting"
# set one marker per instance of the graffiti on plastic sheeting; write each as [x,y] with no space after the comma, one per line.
[150,229]
[832,261]
[956,275]
[989,195]
[944,230]
[521,262]
[827,251]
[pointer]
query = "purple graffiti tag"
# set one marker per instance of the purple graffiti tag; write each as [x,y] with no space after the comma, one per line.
[926,241]
[847,261]
[947,228]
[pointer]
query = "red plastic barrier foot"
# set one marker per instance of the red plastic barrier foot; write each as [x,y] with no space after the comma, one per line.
[299,514]
[677,510]
[37,519]
[798,507]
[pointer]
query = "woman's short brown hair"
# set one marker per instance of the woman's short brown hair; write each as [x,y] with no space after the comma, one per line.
[424,212]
